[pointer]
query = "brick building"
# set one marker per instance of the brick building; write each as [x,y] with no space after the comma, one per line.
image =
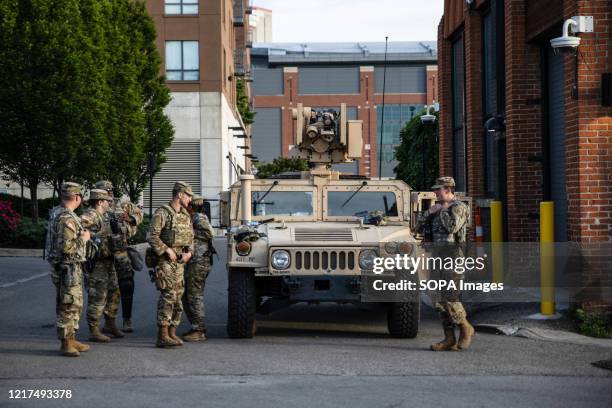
[204,45]
[323,75]
[523,125]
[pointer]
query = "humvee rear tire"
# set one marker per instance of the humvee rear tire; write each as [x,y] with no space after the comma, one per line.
[403,319]
[241,304]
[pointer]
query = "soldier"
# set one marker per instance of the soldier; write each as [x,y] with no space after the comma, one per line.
[446,224]
[66,251]
[101,277]
[127,217]
[197,271]
[171,238]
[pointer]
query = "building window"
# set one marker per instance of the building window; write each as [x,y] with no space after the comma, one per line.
[492,91]
[458,91]
[181,7]
[182,61]
[396,117]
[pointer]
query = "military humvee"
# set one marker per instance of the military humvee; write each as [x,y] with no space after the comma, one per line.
[310,237]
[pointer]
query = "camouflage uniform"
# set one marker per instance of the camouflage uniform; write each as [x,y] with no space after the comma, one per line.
[129,216]
[170,229]
[102,286]
[66,251]
[448,229]
[197,271]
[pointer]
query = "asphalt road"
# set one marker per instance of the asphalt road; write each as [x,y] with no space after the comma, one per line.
[326,356]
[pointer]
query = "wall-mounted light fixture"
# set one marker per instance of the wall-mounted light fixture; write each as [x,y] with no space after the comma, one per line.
[568,44]
[495,124]
[428,118]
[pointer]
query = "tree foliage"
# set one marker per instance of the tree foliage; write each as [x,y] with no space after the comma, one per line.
[281,165]
[81,97]
[417,138]
[248,116]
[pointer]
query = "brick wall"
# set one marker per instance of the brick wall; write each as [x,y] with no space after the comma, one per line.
[444,91]
[589,128]
[523,125]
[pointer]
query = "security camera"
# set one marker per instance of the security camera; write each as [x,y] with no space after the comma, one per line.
[428,118]
[567,44]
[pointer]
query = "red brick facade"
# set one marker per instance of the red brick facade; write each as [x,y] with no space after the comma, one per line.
[528,27]
[365,102]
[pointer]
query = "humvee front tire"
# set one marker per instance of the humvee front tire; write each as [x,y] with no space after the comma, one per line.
[403,319]
[241,304]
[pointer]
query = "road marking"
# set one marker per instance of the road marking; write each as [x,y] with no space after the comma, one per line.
[17,282]
[370,328]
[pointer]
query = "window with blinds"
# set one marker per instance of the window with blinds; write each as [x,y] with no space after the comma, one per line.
[182,164]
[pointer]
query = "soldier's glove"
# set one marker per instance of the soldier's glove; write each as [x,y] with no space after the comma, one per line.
[114,224]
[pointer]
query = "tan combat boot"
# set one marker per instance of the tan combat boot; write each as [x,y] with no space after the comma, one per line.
[174,337]
[111,328]
[95,335]
[194,335]
[163,340]
[466,332]
[78,345]
[68,350]
[127,326]
[449,342]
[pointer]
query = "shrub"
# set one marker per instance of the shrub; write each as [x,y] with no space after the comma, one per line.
[594,323]
[28,234]
[9,218]
[44,205]
[141,235]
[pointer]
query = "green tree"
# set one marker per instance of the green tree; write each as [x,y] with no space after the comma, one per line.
[81,97]
[418,138]
[52,103]
[136,125]
[140,125]
[248,116]
[281,165]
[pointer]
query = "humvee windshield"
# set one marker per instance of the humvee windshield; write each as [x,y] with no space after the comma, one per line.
[361,203]
[288,203]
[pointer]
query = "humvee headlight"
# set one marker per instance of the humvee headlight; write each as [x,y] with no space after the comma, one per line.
[243,248]
[366,258]
[391,247]
[280,259]
[405,248]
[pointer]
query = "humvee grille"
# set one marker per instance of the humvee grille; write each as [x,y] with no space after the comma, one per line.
[311,234]
[323,260]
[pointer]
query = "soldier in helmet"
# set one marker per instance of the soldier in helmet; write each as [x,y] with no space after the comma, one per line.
[102,287]
[126,217]
[66,250]
[446,223]
[197,271]
[171,238]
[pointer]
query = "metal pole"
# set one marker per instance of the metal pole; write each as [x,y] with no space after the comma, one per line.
[151,169]
[382,119]
[547,258]
[497,238]
[423,158]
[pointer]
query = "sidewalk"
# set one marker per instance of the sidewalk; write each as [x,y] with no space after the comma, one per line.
[510,319]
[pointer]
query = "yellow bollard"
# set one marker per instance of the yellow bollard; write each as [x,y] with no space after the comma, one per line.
[497,238]
[547,258]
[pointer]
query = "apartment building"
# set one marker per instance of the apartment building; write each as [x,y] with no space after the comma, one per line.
[204,48]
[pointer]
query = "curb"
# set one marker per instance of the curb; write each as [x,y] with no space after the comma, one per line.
[558,336]
[21,253]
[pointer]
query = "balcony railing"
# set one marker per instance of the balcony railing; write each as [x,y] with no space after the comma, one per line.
[242,69]
[248,41]
[239,12]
